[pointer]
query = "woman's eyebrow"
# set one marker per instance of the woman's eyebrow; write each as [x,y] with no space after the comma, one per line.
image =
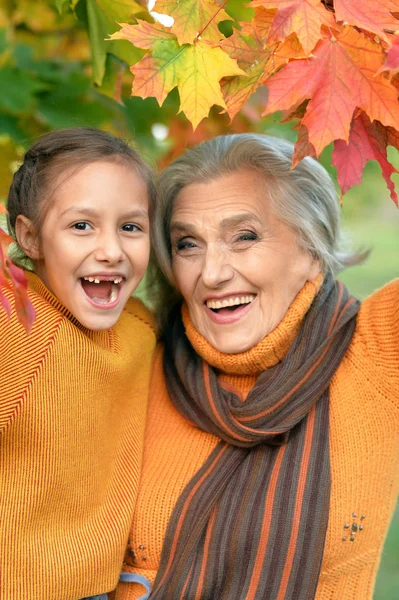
[180,226]
[239,219]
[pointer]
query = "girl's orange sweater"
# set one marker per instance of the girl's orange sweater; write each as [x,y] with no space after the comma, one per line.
[72,416]
[364,445]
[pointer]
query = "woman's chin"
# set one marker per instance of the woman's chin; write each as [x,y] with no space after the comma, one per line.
[233,342]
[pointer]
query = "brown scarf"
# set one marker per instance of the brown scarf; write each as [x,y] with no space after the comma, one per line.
[251,523]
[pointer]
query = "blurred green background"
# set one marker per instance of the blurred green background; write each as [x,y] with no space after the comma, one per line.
[52,60]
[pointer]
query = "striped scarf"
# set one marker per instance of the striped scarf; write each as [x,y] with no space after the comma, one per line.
[251,523]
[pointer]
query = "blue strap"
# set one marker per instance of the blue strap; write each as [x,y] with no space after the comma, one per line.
[128,578]
[136,578]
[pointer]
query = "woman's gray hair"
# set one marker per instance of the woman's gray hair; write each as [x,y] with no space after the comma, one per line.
[304,197]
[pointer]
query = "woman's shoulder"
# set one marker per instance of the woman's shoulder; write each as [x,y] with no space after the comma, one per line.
[378,310]
[378,328]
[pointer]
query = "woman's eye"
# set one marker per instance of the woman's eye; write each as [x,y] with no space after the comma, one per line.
[185,244]
[247,236]
[131,228]
[82,226]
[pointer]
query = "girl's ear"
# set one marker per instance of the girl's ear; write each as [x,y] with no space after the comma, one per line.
[27,236]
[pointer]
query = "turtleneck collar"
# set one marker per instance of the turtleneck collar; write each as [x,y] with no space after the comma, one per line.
[268,351]
[37,285]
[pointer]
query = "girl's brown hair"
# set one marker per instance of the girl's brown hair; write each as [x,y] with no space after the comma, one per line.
[62,152]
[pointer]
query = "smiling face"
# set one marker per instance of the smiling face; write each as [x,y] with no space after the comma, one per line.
[94,241]
[236,264]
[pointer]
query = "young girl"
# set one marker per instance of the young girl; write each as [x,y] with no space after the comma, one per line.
[73,392]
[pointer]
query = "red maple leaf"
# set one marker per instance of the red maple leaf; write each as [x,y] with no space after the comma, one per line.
[303,17]
[367,141]
[338,78]
[392,59]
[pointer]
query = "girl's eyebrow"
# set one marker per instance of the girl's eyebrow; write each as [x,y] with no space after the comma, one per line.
[82,210]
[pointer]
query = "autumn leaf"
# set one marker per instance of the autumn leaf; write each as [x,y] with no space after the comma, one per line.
[193,18]
[195,70]
[23,305]
[392,59]
[369,14]
[367,141]
[246,46]
[303,17]
[302,147]
[5,240]
[12,278]
[263,20]
[337,79]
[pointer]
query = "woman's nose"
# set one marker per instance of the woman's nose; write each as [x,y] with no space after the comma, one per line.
[109,248]
[216,268]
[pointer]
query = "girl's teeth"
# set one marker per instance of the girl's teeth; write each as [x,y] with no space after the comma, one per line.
[114,294]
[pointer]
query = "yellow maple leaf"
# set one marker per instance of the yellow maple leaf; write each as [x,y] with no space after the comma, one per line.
[193,17]
[195,69]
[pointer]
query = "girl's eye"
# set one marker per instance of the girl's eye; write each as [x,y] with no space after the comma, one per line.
[82,226]
[131,227]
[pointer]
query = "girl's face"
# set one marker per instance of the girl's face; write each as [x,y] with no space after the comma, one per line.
[94,242]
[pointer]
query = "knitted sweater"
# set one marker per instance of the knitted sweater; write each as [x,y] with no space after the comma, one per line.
[364,445]
[73,406]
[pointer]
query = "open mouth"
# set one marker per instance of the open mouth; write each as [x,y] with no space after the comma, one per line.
[229,305]
[102,291]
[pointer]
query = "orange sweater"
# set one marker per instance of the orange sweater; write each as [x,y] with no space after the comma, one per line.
[72,413]
[364,442]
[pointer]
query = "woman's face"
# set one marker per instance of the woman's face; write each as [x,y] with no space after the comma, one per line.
[236,264]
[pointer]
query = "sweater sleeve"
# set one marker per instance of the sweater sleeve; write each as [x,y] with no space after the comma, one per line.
[378,326]
[22,355]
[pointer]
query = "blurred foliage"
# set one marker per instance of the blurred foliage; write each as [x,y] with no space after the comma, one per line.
[53,55]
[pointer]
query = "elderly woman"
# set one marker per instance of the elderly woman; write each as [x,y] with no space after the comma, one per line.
[270,466]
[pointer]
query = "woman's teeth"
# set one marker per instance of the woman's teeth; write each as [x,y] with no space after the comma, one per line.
[227,302]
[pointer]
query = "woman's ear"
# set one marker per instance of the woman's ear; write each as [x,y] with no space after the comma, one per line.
[314,270]
[27,237]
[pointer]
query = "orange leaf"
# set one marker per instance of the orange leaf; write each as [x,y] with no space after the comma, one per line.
[303,17]
[302,147]
[372,15]
[337,79]
[246,47]
[367,141]
[263,20]
[193,17]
